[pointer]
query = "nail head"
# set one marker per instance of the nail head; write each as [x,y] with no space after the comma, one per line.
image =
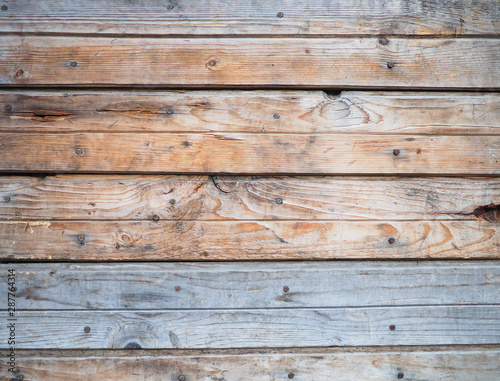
[87,329]
[181,378]
[172,201]
[396,152]
[6,198]
[279,201]
[212,62]
[276,116]
[156,218]
[401,375]
[72,63]
[8,107]
[383,41]
[81,238]
[78,151]
[391,240]
[291,375]
[286,289]
[19,73]
[170,111]
[280,14]
[177,288]
[392,327]
[170,7]
[4,7]
[390,64]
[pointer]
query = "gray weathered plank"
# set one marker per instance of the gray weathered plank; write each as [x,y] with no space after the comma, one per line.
[147,286]
[252,62]
[246,240]
[239,153]
[305,112]
[135,197]
[240,328]
[456,363]
[235,17]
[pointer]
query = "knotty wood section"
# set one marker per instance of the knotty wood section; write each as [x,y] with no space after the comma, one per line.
[239,153]
[202,198]
[381,364]
[255,328]
[252,62]
[238,17]
[249,240]
[151,286]
[298,112]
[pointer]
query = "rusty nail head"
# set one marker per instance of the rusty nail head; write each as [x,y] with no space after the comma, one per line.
[212,62]
[181,378]
[279,201]
[78,151]
[4,7]
[156,217]
[390,64]
[177,288]
[392,240]
[392,327]
[383,41]
[19,377]
[72,63]
[8,107]
[170,111]
[280,14]
[286,289]
[401,375]
[396,152]
[170,7]
[172,201]
[87,329]
[6,198]
[291,375]
[81,238]
[19,73]
[276,115]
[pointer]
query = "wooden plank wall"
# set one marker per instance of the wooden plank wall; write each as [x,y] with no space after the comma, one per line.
[234,190]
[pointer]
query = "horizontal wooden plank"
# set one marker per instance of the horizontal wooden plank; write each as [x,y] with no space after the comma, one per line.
[256,62]
[222,17]
[147,286]
[249,240]
[437,363]
[370,326]
[305,112]
[239,153]
[136,197]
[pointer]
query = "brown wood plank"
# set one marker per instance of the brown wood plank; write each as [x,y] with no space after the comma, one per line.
[458,363]
[221,17]
[139,197]
[250,240]
[232,62]
[306,112]
[239,153]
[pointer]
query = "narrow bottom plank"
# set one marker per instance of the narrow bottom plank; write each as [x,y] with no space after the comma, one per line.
[243,328]
[325,364]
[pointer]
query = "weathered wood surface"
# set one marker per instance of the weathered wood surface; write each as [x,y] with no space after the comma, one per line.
[239,153]
[456,363]
[248,240]
[304,112]
[223,17]
[254,328]
[147,286]
[139,197]
[251,62]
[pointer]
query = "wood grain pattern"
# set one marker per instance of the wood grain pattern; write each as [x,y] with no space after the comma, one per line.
[249,240]
[276,328]
[300,112]
[139,197]
[223,17]
[456,363]
[151,286]
[250,153]
[252,62]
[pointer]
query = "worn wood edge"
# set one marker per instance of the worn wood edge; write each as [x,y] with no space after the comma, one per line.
[301,112]
[301,63]
[248,240]
[385,363]
[135,197]
[253,285]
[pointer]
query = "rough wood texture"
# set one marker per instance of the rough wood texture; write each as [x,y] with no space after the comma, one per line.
[241,328]
[303,112]
[134,197]
[150,286]
[249,240]
[456,363]
[221,17]
[239,153]
[231,62]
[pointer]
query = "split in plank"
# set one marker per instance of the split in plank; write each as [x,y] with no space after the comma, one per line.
[238,153]
[152,286]
[238,17]
[246,240]
[140,197]
[255,328]
[258,62]
[299,112]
